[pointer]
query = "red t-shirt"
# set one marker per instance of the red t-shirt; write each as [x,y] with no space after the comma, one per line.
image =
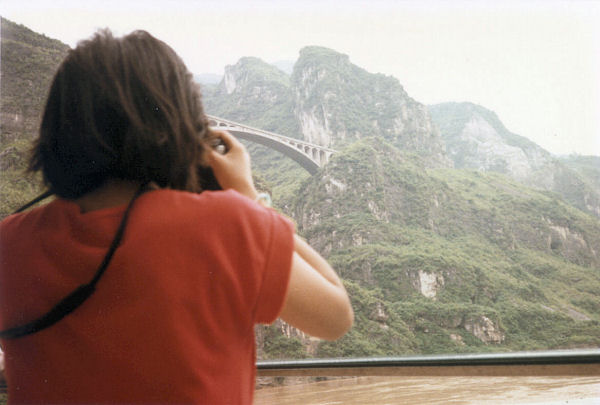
[172,318]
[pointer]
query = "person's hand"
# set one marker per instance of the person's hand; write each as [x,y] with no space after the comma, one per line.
[232,169]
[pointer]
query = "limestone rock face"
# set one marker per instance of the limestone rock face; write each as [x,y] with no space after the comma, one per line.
[485,330]
[249,89]
[570,243]
[430,283]
[475,138]
[488,151]
[337,102]
[254,79]
[457,338]
[254,93]
[327,100]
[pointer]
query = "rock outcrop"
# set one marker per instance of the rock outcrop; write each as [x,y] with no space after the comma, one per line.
[336,102]
[484,329]
[475,138]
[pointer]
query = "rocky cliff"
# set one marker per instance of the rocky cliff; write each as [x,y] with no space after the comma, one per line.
[327,100]
[337,102]
[258,94]
[255,93]
[475,138]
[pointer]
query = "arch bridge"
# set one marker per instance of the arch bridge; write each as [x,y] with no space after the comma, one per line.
[309,155]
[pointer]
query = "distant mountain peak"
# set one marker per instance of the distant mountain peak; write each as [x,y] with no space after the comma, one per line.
[475,138]
[320,50]
[251,71]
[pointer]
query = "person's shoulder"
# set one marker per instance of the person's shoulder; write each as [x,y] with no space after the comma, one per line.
[19,223]
[29,215]
[169,196]
[184,202]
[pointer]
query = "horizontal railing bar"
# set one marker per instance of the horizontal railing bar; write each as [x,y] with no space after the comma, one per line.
[538,363]
[553,357]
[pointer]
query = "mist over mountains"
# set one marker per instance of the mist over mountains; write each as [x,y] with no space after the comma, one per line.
[451,233]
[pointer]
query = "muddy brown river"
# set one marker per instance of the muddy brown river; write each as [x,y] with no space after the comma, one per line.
[437,390]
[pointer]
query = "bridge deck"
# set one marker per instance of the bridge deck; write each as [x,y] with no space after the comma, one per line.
[310,156]
[269,134]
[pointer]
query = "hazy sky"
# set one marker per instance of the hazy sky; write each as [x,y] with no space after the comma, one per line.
[535,63]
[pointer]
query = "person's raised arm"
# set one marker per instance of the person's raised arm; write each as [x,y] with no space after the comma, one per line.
[316,301]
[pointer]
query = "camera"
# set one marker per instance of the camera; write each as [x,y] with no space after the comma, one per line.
[206,175]
[219,146]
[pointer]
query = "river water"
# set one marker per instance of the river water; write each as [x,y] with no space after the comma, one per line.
[437,390]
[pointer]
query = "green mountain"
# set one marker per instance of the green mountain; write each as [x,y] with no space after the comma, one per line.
[437,259]
[28,64]
[255,93]
[451,260]
[476,139]
[258,94]
[337,102]
[326,100]
[29,61]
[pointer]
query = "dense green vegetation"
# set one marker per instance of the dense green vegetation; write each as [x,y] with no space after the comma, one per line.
[436,259]
[492,247]
[29,61]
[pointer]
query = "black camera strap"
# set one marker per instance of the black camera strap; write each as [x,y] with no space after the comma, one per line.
[36,200]
[72,301]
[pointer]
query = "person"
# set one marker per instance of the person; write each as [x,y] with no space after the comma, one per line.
[169,316]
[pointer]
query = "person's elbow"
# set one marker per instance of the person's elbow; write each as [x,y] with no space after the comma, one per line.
[325,314]
[316,305]
[342,322]
[343,326]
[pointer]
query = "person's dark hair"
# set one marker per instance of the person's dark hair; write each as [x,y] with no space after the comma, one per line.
[121,108]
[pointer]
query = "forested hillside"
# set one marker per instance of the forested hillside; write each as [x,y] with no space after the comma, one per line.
[451,260]
[29,61]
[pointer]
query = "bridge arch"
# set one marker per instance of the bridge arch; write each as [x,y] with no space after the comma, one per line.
[310,156]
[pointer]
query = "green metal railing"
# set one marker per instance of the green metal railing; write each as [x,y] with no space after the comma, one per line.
[561,362]
[537,363]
